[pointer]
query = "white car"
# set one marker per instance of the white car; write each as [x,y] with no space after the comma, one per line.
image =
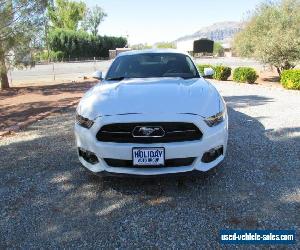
[152,114]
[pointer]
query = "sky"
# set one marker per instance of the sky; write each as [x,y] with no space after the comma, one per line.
[166,20]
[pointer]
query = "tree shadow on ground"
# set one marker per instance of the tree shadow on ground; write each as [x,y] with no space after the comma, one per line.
[246,100]
[271,79]
[49,201]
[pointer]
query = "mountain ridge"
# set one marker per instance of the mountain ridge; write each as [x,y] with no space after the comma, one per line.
[220,31]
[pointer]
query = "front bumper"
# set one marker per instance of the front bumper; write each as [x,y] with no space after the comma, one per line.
[212,137]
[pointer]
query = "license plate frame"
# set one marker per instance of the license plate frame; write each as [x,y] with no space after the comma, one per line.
[153,162]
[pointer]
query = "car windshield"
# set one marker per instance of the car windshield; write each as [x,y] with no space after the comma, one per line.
[152,65]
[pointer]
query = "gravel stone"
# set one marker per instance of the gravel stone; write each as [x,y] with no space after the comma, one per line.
[49,201]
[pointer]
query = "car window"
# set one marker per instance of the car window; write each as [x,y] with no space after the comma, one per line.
[152,65]
[191,65]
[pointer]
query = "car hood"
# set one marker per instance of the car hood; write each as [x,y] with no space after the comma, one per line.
[150,96]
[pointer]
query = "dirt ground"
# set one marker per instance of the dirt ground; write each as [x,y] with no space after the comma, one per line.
[22,105]
[269,78]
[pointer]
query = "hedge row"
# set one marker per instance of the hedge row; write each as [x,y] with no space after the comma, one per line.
[290,79]
[240,74]
[68,43]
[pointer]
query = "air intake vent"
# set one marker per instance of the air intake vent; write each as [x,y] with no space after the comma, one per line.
[154,132]
[178,162]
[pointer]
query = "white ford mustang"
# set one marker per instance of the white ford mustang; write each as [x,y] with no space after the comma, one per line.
[151,114]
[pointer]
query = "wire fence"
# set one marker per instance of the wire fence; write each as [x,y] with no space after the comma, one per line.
[57,72]
[76,69]
[73,60]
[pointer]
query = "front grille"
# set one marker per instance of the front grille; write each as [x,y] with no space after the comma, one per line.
[179,162]
[174,132]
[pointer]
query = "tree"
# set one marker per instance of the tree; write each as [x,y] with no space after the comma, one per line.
[66,14]
[272,35]
[218,49]
[93,18]
[140,46]
[165,45]
[20,21]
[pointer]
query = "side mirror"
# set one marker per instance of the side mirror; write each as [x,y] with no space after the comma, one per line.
[98,75]
[208,72]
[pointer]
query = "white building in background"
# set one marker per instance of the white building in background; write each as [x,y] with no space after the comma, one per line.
[186,45]
[114,52]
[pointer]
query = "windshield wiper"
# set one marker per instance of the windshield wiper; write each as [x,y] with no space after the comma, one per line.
[187,77]
[119,78]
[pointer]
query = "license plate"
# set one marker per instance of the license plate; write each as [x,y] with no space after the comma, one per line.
[148,156]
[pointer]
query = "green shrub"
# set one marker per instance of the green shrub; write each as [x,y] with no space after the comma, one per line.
[201,67]
[56,56]
[51,56]
[218,49]
[222,73]
[290,79]
[245,74]
[40,56]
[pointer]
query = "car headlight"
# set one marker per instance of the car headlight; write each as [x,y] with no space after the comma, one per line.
[84,122]
[215,119]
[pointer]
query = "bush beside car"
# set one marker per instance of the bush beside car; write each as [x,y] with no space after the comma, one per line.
[222,73]
[290,79]
[245,75]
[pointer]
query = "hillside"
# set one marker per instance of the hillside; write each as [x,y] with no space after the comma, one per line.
[223,31]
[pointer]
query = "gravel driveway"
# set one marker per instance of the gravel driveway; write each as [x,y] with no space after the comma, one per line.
[47,200]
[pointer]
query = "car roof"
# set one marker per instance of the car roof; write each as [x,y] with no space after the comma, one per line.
[151,51]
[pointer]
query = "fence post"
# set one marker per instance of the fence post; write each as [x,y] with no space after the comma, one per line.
[53,71]
[11,81]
